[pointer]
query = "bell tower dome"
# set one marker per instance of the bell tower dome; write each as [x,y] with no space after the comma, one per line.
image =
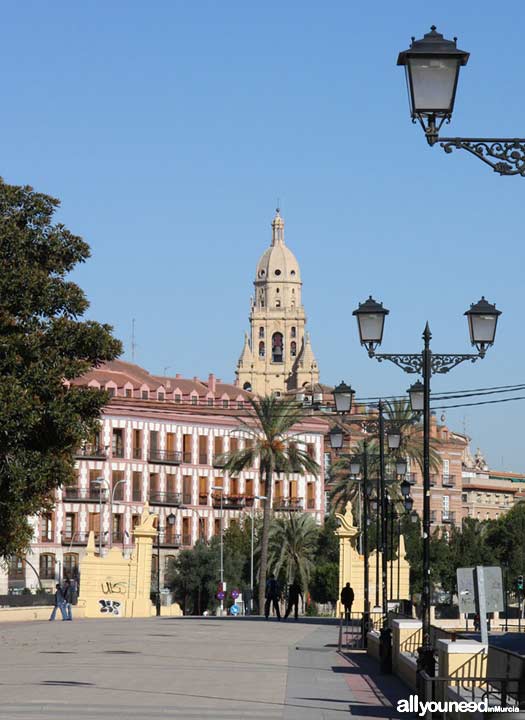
[277,351]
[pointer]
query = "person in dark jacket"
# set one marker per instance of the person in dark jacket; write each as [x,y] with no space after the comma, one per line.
[294,592]
[347,599]
[70,598]
[60,603]
[272,597]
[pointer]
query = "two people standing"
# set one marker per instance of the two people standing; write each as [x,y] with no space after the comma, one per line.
[65,598]
[273,595]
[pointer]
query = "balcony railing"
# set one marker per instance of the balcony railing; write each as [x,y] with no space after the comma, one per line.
[118,536]
[164,457]
[118,451]
[171,540]
[290,504]
[229,502]
[186,499]
[95,452]
[449,481]
[165,498]
[203,498]
[76,494]
[219,461]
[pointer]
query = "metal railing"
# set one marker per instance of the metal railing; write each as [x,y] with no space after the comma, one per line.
[164,457]
[290,504]
[95,452]
[352,631]
[165,498]
[92,494]
[505,692]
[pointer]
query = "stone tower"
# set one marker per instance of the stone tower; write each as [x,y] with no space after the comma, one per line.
[277,355]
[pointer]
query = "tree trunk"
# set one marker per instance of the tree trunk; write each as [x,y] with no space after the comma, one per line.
[265,535]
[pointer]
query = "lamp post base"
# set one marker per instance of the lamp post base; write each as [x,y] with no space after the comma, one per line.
[426,663]
[385,649]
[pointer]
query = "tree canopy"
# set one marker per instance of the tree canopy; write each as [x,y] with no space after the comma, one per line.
[43,345]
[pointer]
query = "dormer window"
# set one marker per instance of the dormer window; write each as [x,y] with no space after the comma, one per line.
[225,403]
[144,394]
[129,392]
[111,391]
[161,396]
[194,399]
[210,402]
[178,399]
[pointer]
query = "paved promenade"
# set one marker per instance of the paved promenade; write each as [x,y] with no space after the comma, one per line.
[187,668]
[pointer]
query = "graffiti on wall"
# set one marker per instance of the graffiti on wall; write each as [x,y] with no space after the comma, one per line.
[109,607]
[114,588]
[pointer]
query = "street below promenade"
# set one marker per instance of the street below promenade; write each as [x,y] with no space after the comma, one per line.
[187,668]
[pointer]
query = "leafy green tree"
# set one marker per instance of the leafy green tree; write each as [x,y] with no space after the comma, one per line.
[193,577]
[506,539]
[278,450]
[292,546]
[324,584]
[44,345]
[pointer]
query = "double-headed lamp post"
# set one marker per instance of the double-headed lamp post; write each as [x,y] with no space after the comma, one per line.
[171,519]
[220,489]
[482,319]
[432,67]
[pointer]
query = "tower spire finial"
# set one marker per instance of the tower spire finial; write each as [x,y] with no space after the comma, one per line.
[277,228]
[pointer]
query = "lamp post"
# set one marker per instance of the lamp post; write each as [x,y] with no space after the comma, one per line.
[432,66]
[219,488]
[482,318]
[171,520]
[100,481]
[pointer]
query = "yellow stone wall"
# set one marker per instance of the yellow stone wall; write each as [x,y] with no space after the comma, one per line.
[114,586]
[351,566]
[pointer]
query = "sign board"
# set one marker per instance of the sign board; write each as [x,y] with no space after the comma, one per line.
[234,610]
[468,587]
[235,594]
[220,595]
[466,590]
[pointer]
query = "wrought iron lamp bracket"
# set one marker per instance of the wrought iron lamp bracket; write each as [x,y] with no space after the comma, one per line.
[505,156]
[440,363]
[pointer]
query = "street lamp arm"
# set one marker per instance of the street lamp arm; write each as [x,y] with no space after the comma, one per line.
[508,153]
[413,363]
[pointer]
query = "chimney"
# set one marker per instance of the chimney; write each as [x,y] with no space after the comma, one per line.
[211,383]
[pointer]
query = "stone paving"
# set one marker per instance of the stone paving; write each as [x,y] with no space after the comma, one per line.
[187,668]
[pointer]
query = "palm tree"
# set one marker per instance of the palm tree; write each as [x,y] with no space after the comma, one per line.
[346,487]
[400,415]
[278,450]
[292,546]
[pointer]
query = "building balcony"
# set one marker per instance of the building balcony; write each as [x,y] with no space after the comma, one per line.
[289,504]
[118,536]
[219,461]
[173,499]
[449,481]
[91,452]
[171,540]
[81,538]
[229,502]
[203,498]
[117,452]
[448,518]
[164,457]
[76,494]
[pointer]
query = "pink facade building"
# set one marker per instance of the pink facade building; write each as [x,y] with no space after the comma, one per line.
[160,442]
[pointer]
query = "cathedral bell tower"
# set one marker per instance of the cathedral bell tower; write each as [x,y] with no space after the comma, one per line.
[277,355]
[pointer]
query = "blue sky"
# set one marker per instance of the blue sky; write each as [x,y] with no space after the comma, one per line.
[169,129]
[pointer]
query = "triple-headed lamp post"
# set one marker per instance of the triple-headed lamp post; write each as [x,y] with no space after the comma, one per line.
[432,67]
[482,318]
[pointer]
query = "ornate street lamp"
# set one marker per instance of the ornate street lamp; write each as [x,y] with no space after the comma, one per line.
[416,393]
[371,322]
[405,488]
[409,504]
[343,397]
[355,467]
[482,321]
[394,439]
[432,67]
[336,436]
[401,467]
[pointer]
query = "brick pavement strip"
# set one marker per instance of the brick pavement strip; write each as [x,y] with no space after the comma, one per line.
[173,668]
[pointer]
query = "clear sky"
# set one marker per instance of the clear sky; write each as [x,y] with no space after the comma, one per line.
[169,129]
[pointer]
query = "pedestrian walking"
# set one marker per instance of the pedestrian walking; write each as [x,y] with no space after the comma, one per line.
[69,598]
[272,597]
[294,592]
[60,603]
[347,599]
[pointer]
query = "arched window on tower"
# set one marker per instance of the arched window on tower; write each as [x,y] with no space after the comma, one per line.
[261,349]
[293,348]
[292,332]
[277,347]
[261,332]
[247,386]
[261,298]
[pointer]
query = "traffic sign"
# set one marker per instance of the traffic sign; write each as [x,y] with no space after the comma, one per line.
[234,610]
[220,595]
[235,594]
